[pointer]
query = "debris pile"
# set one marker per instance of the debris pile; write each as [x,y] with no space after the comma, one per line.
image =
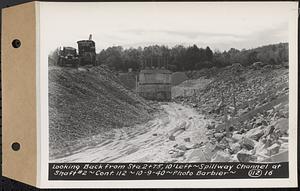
[88,101]
[249,112]
[262,143]
[205,72]
[190,87]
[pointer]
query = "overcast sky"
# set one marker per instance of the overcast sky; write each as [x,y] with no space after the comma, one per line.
[218,25]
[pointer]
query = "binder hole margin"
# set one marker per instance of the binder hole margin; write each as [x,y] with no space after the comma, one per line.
[15,146]
[16,43]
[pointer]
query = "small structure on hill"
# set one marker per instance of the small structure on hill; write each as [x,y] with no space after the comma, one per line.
[155,84]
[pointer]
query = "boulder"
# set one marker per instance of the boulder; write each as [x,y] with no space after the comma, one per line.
[273,149]
[178,154]
[220,127]
[248,143]
[221,156]
[234,158]
[213,140]
[268,130]
[228,139]
[245,156]
[269,140]
[197,156]
[208,133]
[209,150]
[237,137]
[197,145]
[260,122]
[244,130]
[187,139]
[182,147]
[235,147]
[210,126]
[172,137]
[260,147]
[255,133]
[219,136]
[221,146]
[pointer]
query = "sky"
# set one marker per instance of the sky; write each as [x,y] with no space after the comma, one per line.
[220,26]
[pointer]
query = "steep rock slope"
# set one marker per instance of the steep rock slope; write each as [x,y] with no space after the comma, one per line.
[255,102]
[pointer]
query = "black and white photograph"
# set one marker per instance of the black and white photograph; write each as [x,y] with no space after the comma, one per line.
[169,83]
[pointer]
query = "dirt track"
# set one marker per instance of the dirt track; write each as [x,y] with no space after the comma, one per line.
[148,142]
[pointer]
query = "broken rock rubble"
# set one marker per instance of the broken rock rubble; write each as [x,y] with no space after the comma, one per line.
[258,126]
[255,145]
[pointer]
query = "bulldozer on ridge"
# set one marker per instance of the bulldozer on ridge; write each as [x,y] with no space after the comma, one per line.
[68,56]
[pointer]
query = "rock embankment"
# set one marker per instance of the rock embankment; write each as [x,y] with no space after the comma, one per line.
[249,110]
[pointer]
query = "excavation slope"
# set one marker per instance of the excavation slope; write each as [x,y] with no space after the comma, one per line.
[86,102]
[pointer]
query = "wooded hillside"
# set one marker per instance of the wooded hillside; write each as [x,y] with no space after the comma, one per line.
[180,58]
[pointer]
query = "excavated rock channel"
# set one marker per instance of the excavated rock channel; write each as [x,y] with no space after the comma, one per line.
[176,135]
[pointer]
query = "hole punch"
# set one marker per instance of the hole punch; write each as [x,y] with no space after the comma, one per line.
[16,146]
[16,43]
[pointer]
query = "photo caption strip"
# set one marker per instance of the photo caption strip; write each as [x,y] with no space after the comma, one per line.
[153,171]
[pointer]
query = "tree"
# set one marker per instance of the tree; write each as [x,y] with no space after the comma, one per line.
[112,57]
[209,54]
[177,59]
[53,57]
[192,56]
[132,59]
[180,58]
[252,57]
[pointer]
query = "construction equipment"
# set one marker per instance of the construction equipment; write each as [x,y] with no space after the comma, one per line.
[68,57]
[87,52]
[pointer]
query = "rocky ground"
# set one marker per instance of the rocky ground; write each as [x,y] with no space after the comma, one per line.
[257,127]
[89,101]
[177,134]
[191,128]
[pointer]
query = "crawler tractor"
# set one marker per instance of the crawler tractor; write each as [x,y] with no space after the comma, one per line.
[68,57]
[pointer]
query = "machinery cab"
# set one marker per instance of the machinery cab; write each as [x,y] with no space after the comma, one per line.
[69,52]
[87,52]
[68,57]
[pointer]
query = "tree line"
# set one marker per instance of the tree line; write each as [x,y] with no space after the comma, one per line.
[180,58]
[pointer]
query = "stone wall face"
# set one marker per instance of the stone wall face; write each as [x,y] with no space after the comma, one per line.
[159,92]
[155,78]
[155,85]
